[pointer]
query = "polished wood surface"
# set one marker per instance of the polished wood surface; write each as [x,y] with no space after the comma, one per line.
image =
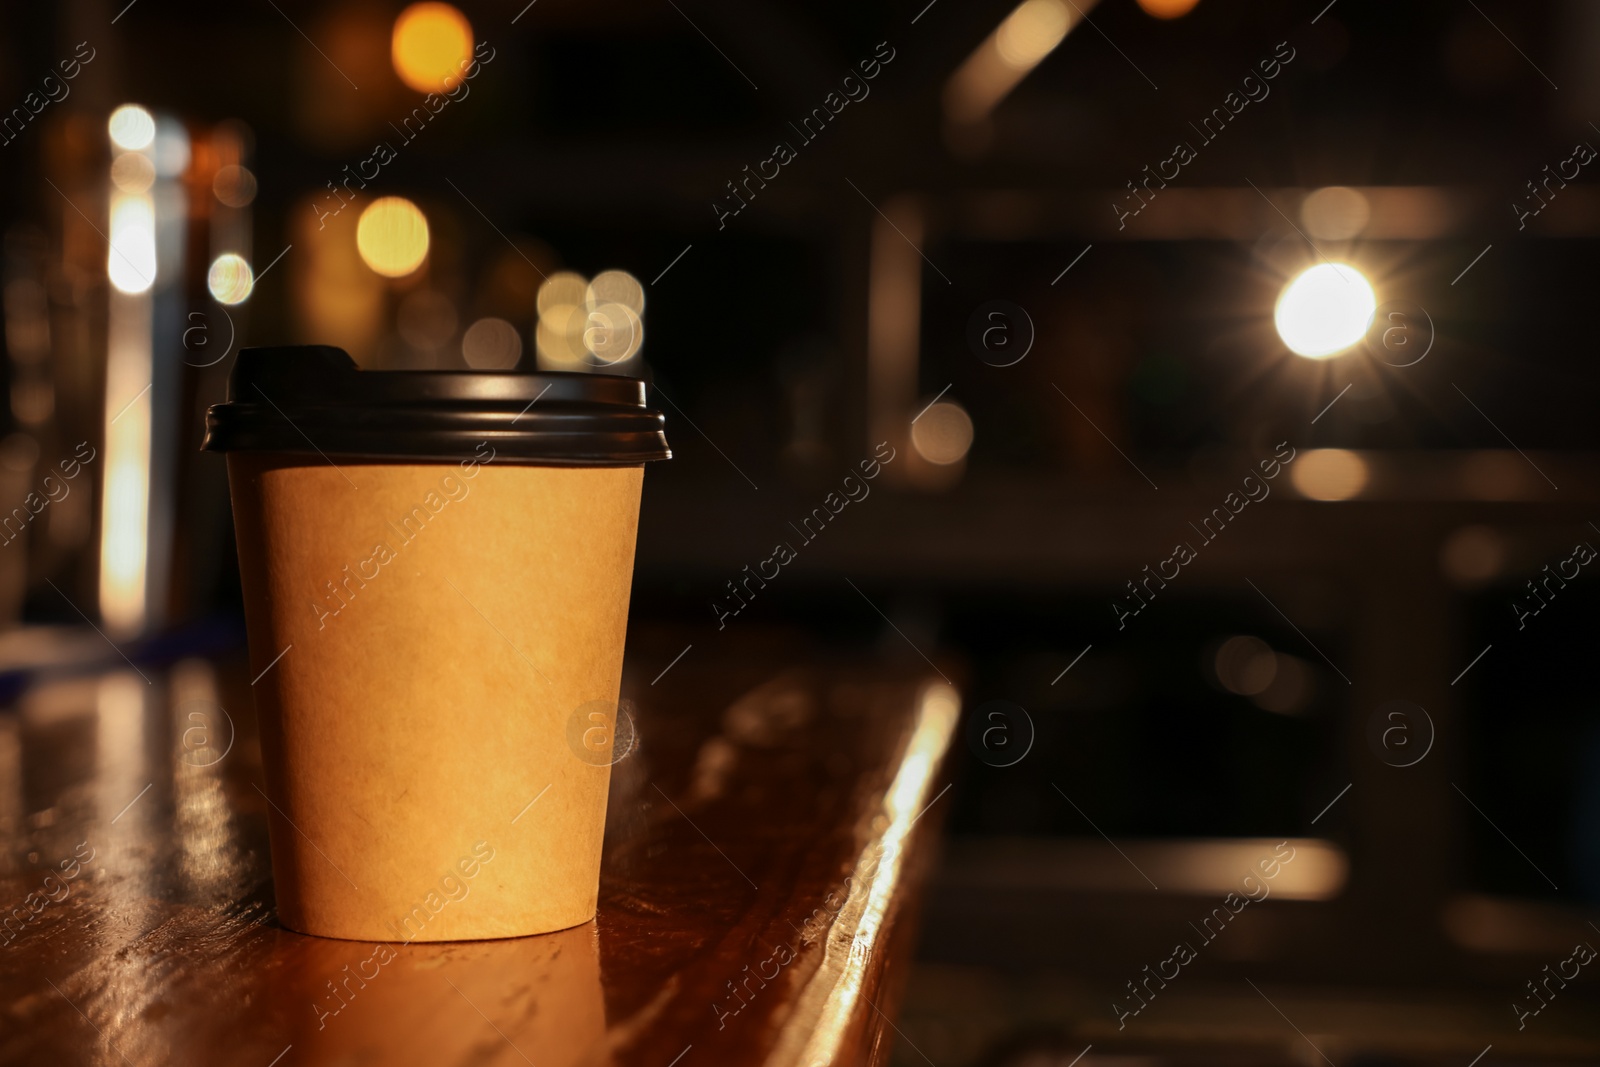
[765,839]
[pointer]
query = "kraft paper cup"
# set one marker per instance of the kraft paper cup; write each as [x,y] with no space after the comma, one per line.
[436,590]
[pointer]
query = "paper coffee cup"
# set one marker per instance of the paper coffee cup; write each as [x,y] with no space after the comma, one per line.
[436,584]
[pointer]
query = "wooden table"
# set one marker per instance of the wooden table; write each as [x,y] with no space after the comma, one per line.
[764,845]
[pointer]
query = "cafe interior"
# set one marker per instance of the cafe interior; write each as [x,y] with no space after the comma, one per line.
[1118,595]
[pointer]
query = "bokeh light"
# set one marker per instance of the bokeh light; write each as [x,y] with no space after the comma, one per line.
[133,172]
[1472,555]
[1168,9]
[612,332]
[491,344]
[1329,474]
[1031,32]
[1245,665]
[131,127]
[616,287]
[1291,688]
[562,287]
[942,434]
[586,323]
[430,43]
[1335,213]
[230,279]
[392,236]
[234,185]
[1325,310]
[559,336]
[131,257]
[170,149]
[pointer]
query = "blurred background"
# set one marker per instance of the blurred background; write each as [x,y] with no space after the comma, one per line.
[1299,287]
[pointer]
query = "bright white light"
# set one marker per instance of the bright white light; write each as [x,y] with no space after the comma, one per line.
[125,493]
[230,279]
[1325,310]
[132,127]
[131,259]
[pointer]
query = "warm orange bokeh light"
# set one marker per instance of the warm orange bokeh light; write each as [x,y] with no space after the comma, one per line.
[392,236]
[1330,474]
[1168,9]
[430,43]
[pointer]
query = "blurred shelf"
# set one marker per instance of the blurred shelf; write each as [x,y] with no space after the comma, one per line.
[1061,529]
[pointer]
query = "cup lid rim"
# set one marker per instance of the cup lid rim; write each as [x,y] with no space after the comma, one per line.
[315,399]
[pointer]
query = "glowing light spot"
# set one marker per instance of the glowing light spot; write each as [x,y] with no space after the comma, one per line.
[1336,213]
[616,287]
[1325,310]
[1245,665]
[171,148]
[234,185]
[562,288]
[1168,9]
[994,68]
[491,344]
[612,332]
[1032,32]
[560,336]
[584,323]
[943,433]
[1329,474]
[431,42]
[133,172]
[131,127]
[1291,687]
[392,236]
[563,310]
[230,279]
[1472,555]
[131,259]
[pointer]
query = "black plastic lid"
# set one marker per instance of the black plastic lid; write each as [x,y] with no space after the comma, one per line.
[314,399]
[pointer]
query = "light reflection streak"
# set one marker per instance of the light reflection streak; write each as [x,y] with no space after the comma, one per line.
[833,994]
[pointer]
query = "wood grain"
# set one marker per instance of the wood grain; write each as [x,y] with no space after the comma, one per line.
[765,840]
